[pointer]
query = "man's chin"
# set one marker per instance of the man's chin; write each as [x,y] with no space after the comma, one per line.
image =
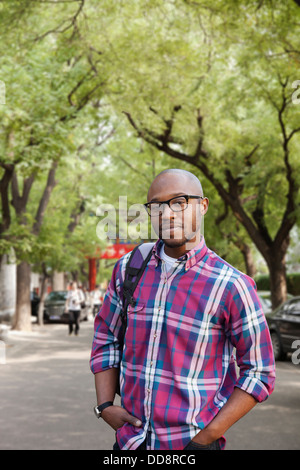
[174,242]
[178,242]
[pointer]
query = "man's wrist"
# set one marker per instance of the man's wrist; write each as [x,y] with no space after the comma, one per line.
[205,437]
[106,412]
[100,408]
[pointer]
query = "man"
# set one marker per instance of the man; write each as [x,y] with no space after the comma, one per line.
[75,298]
[96,299]
[179,388]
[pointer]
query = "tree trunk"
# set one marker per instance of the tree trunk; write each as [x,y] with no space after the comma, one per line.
[22,319]
[40,318]
[4,193]
[249,261]
[278,284]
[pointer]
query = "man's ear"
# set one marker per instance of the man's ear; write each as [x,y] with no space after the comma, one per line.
[204,206]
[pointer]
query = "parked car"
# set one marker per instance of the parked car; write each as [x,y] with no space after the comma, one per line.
[284,325]
[54,307]
[265,300]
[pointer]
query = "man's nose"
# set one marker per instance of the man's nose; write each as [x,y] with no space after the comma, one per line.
[167,212]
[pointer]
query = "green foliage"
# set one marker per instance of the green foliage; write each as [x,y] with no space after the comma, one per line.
[231,65]
[293,283]
[50,83]
[214,70]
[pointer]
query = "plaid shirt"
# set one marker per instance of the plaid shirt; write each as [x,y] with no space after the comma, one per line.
[178,368]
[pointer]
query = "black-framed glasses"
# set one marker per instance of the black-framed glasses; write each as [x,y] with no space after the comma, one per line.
[176,204]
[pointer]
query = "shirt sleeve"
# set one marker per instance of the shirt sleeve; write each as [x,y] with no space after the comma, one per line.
[106,351]
[249,334]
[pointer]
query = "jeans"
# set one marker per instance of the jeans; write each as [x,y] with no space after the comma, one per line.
[191,446]
[194,446]
[74,318]
[141,447]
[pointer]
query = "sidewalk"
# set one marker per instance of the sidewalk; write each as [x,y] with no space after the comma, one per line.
[47,391]
[47,397]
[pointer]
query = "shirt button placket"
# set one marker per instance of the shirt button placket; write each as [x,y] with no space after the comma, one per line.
[151,364]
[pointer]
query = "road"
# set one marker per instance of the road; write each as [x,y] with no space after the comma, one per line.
[47,397]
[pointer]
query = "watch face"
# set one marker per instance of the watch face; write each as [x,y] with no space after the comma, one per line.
[98,409]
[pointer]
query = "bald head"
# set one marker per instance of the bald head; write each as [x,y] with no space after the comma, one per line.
[176,180]
[177,225]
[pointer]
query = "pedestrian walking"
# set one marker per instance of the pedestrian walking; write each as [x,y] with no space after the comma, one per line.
[178,382]
[96,296]
[74,303]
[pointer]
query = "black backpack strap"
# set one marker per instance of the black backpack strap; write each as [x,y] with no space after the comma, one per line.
[135,267]
[133,272]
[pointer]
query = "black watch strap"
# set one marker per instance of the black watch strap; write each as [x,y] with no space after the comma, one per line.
[102,407]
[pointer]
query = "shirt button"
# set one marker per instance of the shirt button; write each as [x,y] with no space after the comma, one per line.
[148,390]
[155,335]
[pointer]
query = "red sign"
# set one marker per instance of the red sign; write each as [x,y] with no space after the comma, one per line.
[92,273]
[117,251]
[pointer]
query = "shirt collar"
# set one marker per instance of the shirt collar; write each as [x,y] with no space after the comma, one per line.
[191,258]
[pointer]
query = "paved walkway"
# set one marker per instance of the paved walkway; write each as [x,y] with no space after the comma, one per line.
[47,397]
[47,392]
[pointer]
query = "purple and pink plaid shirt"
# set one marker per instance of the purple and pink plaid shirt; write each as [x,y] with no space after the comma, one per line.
[178,367]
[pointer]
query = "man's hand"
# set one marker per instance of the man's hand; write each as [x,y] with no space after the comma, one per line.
[116,417]
[238,404]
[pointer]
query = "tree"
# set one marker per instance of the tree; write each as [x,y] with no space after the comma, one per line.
[51,81]
[213,88]
[206,85]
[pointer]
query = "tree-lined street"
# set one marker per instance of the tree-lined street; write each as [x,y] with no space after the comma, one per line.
[102,96]
[47,397]
[96,99]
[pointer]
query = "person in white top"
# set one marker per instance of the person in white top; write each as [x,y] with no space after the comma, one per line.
[96,298]
[75,298]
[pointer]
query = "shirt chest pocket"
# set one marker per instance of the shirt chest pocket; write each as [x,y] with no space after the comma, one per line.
[138,326]
[135,309]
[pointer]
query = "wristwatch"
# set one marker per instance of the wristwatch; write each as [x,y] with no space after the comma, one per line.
[98,409]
